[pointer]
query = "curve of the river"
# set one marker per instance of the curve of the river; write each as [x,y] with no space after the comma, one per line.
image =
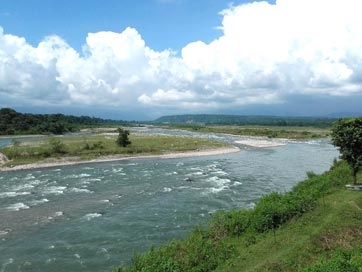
[95,217]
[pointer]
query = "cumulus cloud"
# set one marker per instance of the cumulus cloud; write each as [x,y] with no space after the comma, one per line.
[266,53]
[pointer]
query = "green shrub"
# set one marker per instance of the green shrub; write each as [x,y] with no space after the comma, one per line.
[340,261]
[57,146]
[234,223]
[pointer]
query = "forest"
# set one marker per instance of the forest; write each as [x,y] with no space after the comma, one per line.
[241,120]
[16,123]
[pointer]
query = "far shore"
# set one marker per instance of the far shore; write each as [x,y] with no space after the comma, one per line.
[74,160]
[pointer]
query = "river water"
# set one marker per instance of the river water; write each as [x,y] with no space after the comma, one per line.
[94,217]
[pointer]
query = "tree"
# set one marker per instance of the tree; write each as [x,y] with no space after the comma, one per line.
[347,135]
[122,139]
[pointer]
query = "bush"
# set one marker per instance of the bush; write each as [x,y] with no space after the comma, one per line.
[340,261]
[57,146]
[231,223]
[196,253]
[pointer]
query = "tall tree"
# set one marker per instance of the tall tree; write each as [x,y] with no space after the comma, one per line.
[347,135]
[123,139]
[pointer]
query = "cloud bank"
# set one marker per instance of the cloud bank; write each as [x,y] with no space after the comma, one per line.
[267,54]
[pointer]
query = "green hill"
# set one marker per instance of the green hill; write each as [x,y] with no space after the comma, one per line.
[16,123]
[263,120]
[315,227]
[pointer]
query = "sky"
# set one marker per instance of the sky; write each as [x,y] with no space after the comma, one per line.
[141,59]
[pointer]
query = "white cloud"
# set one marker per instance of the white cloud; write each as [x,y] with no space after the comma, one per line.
[266,53]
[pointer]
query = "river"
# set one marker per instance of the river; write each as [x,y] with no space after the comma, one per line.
[94,217]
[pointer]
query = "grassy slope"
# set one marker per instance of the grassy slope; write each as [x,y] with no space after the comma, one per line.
[334,224]
[237,242]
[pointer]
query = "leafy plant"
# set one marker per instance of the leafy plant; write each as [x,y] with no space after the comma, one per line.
[347,135]
[57,146]
[123,139]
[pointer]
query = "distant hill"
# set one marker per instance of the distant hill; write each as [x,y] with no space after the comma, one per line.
[216,119]
[16,123]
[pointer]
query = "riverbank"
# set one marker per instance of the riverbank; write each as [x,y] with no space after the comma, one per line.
[314,227]
[64,161]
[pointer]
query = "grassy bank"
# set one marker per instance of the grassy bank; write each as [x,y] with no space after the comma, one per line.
[287,132]
[315,227]
[90,147]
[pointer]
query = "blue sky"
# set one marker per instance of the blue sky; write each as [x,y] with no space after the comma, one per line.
[143,59]
[163,24]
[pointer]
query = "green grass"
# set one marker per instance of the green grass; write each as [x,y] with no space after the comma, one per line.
[90,147]
[287,132]
[315,227]
[334,224]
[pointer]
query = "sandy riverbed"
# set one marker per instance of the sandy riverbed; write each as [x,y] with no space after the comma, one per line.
[259,143]
[74,161]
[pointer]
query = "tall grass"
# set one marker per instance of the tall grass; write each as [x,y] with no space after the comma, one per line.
[88,147]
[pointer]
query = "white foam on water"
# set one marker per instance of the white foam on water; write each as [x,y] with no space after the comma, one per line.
[4,232]
[9,261]
[29,176]
[17,207]
[251,205]
[132,164]
[36,182]
[114,170]
[237,183]
[82,175]
[89,180]
[220,173]
[198,173]
[104,251]
[51,260]
[90,216]
[13,194]
[54,190]
[219,181]
[166,190]
[218,189]
[37,202]
[57,214]
[196,169]
[78,190]
[23,187]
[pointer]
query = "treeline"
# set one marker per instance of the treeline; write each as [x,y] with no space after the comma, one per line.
[16,123]
[216,119]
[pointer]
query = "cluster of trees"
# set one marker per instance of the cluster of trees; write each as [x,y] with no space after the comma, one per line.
[347,136]
[15,123]
[241,120]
